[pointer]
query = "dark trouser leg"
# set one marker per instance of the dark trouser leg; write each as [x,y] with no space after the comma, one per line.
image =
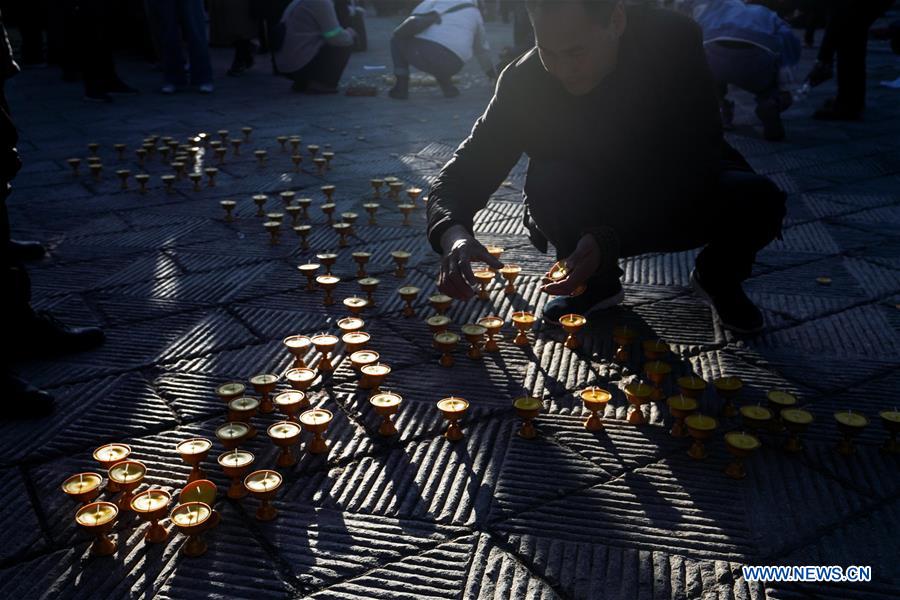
[855,21]
[193,22]
[95,46]
[741,215]
[399,55]
[171,42]
[326,67]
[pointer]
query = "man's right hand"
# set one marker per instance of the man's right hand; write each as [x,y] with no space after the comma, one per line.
[460,249]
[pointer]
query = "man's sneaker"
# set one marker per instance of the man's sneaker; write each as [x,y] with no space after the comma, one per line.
[42,334]
[736,312]
[598,296]
[26,249]
[206,88]
[24,401]
[167,88]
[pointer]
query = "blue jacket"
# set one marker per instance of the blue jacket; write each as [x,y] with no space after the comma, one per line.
[736,20]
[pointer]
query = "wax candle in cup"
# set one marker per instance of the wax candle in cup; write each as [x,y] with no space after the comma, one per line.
[360,359]
[438,323]
[401,257]
[196,178]
[386,404]
[595,400]
[371,208]
[657,372]
[298,346]
[740,445]
[127,474]
[680,407]
[850,424]
[483,277]
[728,388]
[351,324]
[300,379]
[376,187]
[168,182]
[74,163]
[700,427]
[475,336]
[96,170]
[890,420]
[142,179]
[361,259]
[325,343]
[572,324]
[440,303]
[152,505]
[290,403]
[316,421]
[228,205]
[655,349]
[691,386]
[523,321]
[369,285]
[779,400]
[232,434]
[261,156]
[453,409]
[274,229]
[328,190]
[327,283]
[263,485]
[211,173]
[191,519]
[235,464]
[755,417]
[355,304]
[492,324]
[343,230]
[355,340]
[373,376]
[510,273]
[413,193]
[108,455]
[97,518]
[623,337]
[282,139]
[264,384]
[638,394]
[285,435]
[445,342]
[260,201]
[247,131]
[795,420]
[408,293]
[83,487]
[328,156]
[527,408]
[309,271]
[297,159]
[242,410]
[193,452]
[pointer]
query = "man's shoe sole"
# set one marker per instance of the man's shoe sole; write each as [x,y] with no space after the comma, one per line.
[698,289]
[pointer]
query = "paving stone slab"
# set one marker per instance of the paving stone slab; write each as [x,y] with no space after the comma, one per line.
[496,573]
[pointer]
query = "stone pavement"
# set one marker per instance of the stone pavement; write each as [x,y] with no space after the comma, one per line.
[189,301]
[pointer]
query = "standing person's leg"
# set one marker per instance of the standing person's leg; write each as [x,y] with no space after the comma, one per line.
[94,53]
[172,46]
[193,20]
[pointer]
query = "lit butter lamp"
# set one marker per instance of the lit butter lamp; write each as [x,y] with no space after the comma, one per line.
[557,273]
[638,394]
[756,418]
[440,303]
[142,179]
[328,283]
[287,197]
[320,163]
[300,379]
[264,384]
[369,285]
[406,210]
[355,305]
[123,175]
[83,487]
[623,337]
[327,259]
[413,193]
[681,407]
[401,257]
[232,434]
[437,323]
[298,346]
[152,505]
[657,372]
[408,293]
[376,187]
[309,271]
[655,349]
[285,435]
[274,229]
[890,420]
[595,400]
[475,336]
[228,205]
[360,359]
[495,251]
[168,182]
[97,519]
[291,403]
[572,324]
[527,408]
[328,190]
[700,428]
[193,452]
[196,178]
[260,201]
[343,230]
[779,400]
[127,474]
[740,445]
[325,343]
[484,278]
[492,325]
[297,159]
[386,404]
[74,163]
[372,376]
[453,410]
[728,389]
[796,421]
[242,410]
[446,342]
[316,421]
[361,259]
[108,455]
[192,518]
[263,485]
[294,211]
[510,273]
[522,321]
[355,340]
[235,465]
[372,209]
[850,424]
[211,173]
[691,386]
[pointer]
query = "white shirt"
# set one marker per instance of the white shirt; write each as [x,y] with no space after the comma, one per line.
[461,32]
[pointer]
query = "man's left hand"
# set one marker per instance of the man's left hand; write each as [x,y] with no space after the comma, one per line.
[581,264]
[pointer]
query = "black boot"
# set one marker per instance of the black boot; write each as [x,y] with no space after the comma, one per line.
[448,89]
[26,250]
[23,400]
[400,91]
[39,334]
[735,311]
